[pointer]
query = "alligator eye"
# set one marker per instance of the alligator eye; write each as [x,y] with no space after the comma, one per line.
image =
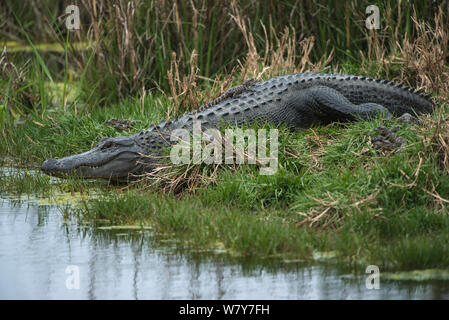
[107,145]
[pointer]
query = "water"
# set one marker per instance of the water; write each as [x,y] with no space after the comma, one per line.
[38,248]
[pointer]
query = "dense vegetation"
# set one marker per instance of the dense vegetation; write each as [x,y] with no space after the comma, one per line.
[148,60]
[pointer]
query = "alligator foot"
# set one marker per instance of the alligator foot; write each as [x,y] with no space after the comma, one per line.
[388,140]
[120,124]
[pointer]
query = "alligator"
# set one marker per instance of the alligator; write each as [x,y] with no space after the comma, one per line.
[298,101]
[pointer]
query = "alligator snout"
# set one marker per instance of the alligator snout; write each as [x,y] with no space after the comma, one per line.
[49,165]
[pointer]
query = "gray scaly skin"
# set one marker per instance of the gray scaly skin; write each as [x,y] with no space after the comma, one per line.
[231,93]
[298,101]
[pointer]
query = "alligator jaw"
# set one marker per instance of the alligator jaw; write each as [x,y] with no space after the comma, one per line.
[113,158]
[116,168]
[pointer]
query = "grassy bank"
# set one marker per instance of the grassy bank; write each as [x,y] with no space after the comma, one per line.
[333,191]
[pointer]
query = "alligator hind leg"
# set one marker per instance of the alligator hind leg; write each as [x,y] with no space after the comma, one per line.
[335,106]
[331,103]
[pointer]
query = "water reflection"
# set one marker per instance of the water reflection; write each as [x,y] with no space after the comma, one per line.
[36,247]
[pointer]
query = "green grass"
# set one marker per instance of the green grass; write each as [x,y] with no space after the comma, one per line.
[57,133]
[372,211]
[332,192]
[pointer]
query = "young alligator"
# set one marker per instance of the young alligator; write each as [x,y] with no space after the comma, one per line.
[299,101]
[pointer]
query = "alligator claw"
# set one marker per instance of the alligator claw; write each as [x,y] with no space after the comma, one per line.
[388,139]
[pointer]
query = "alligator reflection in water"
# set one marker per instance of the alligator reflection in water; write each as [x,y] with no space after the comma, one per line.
[37,247]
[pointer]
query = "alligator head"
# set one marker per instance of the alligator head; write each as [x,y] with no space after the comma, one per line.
[112,158]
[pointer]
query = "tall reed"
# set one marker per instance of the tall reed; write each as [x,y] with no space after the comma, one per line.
[137,43]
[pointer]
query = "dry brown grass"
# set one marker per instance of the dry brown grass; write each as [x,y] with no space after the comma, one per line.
[178,179]
[281,56]
[20,93]
[425,60]
[139,44]
[192,177]
[421,62]
[408,62]
[281,51]
[330,211]
[183,89]
[435,139]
